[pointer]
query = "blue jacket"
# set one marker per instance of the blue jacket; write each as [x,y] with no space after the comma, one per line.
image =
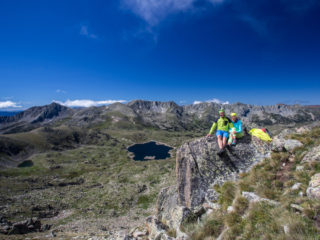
[237,125]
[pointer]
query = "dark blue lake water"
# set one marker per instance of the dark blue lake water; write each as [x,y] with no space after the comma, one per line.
[27,163]
[149,150]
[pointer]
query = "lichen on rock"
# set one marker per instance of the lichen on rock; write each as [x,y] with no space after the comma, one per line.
[198,169]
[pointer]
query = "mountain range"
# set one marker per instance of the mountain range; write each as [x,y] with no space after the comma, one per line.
[160,115]
[57,127]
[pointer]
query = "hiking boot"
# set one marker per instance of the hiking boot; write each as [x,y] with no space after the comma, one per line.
[220,151]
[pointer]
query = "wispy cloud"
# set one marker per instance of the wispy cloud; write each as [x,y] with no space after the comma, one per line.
[214,100]
[84,31]
[9,104]
[61,91]
[154,11]
[87,103]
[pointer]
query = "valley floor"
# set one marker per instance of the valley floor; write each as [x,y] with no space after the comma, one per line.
[92,189]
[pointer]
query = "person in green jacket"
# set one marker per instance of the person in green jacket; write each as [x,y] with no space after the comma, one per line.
[223,124]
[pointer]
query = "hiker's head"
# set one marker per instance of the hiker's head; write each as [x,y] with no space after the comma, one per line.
[221,113]
[263,129]
[233,116]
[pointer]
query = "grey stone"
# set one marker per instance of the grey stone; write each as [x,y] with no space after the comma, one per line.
[155,228]
[281,144]
[312,155]
[252,197]
[296,186]
[230,209]
[299,168]
[198,168]
[296,207]
[313,190]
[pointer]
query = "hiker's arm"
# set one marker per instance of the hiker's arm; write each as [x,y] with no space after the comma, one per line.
[230,125]
[214,125]
[240,127]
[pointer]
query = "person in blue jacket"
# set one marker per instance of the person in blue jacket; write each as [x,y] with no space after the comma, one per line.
[237,131]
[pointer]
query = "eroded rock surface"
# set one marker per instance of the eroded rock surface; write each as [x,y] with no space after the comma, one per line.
[312,155]
[313,190]
[198,169]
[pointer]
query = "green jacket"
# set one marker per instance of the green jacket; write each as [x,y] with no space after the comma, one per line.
[221,124]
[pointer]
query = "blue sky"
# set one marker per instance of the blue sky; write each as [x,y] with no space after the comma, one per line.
[84,53]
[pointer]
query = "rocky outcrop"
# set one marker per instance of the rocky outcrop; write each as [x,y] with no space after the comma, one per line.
[198,169]
[23,227]
[281,144]
[313,155]
[313,191]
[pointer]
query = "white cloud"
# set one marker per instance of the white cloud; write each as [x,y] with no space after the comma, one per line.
[85,32]
[9,104]
[153,11]
[214,100]
[87,103]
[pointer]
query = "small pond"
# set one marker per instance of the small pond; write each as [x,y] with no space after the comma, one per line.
[149,151]
[27,163]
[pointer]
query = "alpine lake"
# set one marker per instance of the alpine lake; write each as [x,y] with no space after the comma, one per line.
[149,151]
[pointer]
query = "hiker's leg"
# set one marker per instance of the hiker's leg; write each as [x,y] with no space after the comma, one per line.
[224,142]
[230,138]
[220,141]
[225,137]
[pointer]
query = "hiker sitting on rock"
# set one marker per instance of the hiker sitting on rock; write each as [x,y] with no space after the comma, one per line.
[223,124]
[236,131]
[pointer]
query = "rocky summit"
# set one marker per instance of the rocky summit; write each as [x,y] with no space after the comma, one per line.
[198,169]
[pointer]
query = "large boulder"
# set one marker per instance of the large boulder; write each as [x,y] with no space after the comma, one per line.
[199,166]
[281,144]
[198,169]
[313,155]
[313,191]
[169,211]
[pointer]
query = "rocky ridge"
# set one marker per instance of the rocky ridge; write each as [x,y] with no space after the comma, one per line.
[198,169]
[161,115]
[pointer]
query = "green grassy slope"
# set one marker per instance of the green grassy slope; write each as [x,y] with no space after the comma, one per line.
[97,182]
[271,179]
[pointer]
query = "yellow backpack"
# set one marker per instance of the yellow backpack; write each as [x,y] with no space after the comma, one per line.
[260,134]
